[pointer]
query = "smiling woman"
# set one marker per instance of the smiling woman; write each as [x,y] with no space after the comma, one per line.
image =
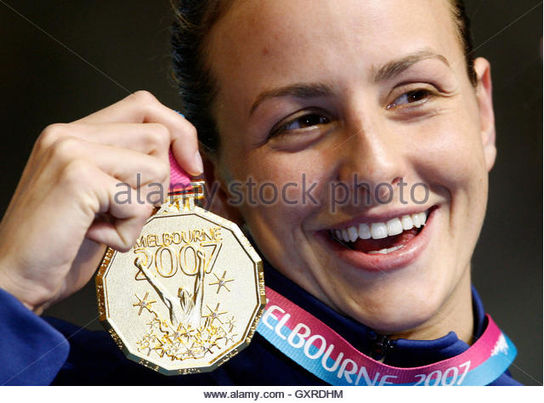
[368,119]
[342,106]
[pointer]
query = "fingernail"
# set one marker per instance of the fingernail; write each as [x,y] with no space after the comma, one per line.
[199,165]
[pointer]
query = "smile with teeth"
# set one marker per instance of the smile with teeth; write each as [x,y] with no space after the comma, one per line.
[381,237]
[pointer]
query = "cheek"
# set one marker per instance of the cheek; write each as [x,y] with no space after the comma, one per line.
[289,188]
[451,160]
[450,154]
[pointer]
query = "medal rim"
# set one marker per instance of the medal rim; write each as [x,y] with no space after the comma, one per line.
[250,329]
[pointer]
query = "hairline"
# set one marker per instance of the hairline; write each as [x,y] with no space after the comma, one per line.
[224,7]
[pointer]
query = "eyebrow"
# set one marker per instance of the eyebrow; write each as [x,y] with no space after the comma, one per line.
[315,90]
[396,67]
[299,90]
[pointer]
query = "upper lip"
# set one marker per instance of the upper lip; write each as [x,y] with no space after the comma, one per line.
[379,217]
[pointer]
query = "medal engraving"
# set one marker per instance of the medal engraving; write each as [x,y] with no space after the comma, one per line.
[187,296]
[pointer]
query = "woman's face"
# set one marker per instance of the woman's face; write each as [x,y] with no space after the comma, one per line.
[343,106]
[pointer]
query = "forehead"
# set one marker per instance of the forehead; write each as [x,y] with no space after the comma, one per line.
[262,44]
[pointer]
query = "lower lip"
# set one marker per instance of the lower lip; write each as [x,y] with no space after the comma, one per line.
[383,262]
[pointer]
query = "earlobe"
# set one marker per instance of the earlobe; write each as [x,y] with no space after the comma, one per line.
[484,95]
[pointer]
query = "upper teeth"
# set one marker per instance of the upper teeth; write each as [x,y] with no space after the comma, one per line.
[380,230]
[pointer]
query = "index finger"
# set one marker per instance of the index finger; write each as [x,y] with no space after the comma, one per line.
[143,107]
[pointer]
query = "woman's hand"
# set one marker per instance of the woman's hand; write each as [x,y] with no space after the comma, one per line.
[65,210]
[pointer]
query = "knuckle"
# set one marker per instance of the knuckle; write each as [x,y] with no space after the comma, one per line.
[51,134]
[159,136]
[162,171]
[64,148]
[143,97]
[191,131]
[144,211]
[155,174]
[76,173]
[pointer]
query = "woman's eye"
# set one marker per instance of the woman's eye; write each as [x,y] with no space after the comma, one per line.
[309,120]
[411,97]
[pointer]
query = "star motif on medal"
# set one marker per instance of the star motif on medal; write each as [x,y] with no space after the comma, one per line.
[171,350]
[207,348]
[176,335]
[155,324]
[214,313]
[230,323]
[159,348]
[145,345]
[191,351]
[230,338]
[143,303]
[221,282]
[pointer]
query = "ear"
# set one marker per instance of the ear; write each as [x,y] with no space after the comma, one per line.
[484,96]
[217,196]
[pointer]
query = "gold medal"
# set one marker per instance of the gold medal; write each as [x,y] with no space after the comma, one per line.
[188,295]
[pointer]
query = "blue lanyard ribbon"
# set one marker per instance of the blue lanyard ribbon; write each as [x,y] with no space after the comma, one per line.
[321,351]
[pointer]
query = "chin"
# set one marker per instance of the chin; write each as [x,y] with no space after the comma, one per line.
[398,321]
[396,308]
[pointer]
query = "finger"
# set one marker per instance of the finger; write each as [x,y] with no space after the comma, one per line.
[143,107]
[120,235]
[147,138]
[125,221]
[130,166]
[150,138]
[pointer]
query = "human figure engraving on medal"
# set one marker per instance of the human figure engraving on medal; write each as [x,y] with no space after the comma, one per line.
[192,328]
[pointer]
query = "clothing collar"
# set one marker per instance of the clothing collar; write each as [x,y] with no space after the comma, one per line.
[398,352]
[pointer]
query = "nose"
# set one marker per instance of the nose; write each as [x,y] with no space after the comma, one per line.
[373,158]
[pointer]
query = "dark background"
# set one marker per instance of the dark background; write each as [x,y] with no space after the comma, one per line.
[42,82]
